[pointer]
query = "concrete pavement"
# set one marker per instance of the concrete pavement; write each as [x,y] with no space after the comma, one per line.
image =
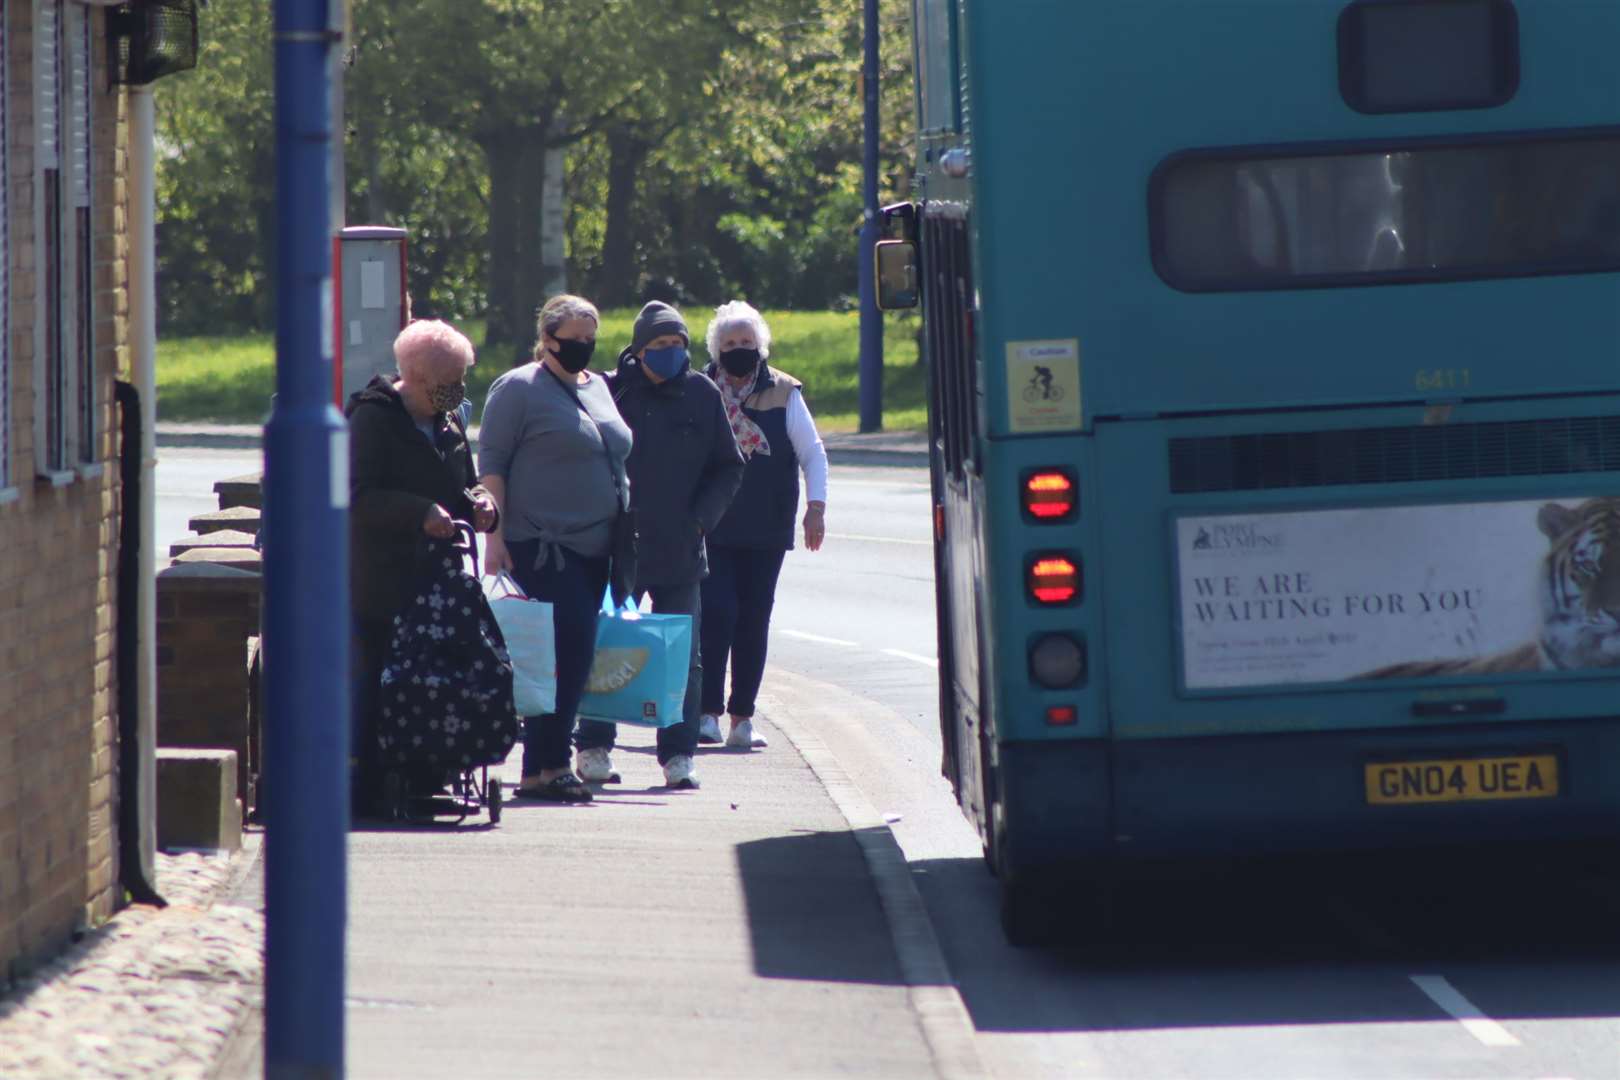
[761,927]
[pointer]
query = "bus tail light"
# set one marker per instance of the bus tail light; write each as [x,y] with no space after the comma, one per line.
[1062,716]
[1053,579]
[1050,495]
[1057,661]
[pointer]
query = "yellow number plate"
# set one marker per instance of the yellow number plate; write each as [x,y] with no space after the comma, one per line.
[1462,780]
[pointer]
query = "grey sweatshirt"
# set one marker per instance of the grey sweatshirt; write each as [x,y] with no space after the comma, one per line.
[560,468]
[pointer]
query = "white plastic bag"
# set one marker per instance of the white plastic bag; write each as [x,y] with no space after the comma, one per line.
[530,639]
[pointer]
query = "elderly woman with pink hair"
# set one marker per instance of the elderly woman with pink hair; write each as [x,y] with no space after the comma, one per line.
[779,441]
[410,476]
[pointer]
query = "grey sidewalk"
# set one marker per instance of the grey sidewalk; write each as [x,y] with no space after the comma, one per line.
[733,931]
[899,448]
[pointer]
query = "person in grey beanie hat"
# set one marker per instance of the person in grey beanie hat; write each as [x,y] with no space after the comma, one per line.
[684,467]
[655,320]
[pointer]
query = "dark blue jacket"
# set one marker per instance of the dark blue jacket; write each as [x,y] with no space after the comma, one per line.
[762,515]
[684,468]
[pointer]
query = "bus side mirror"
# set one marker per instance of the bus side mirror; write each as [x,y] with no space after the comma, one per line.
[896,274]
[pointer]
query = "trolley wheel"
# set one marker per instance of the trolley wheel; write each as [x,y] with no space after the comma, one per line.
[393,796]
[492,799]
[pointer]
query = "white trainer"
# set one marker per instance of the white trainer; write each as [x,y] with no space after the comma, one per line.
[679,773]
[744,737]
[709,730]
[595,766]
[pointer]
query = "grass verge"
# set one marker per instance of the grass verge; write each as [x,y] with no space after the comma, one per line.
[229,379]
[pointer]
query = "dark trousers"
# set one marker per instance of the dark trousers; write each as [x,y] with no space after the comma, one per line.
[574,591]
[737,599]
[677,739]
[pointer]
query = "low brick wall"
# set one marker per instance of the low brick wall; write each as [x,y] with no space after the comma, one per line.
[206,614]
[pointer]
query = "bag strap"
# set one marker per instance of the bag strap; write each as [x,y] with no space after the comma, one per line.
[574,394]
[454,416]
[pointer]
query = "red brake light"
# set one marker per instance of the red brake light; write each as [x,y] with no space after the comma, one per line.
[1049,495]
[1062,715]
[1054,579]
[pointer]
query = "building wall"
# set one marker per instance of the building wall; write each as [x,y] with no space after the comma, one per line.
[58,556]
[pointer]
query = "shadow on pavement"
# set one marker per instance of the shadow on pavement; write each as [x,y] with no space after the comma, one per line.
[813,912]
[1297,942]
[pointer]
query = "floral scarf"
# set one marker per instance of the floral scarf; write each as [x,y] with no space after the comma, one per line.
[750,439]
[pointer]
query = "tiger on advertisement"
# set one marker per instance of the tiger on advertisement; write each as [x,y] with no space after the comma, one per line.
[1580,600]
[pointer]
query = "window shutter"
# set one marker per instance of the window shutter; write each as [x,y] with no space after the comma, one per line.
[47,63]
[78,73]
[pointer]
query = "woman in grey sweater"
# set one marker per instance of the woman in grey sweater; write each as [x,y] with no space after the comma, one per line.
[551,450]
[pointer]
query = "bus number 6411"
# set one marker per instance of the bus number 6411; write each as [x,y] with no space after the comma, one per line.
[1442,379]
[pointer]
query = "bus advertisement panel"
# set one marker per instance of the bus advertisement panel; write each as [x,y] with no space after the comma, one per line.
[1397,592]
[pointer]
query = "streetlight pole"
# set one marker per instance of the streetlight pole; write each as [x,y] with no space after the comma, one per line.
[306,579]
[871,370]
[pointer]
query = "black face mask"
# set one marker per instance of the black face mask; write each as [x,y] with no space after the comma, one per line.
[739,362]
[574,356]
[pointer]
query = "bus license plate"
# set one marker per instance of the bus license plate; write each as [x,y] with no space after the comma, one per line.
[1391,783]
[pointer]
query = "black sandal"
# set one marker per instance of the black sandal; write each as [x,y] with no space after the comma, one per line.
[566,788]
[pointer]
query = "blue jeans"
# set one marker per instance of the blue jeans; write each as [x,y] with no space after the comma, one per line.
[680,739]
[574,592]
[737,597]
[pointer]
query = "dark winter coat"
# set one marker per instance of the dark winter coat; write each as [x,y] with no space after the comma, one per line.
[684,468]
[395,476]
[762,514]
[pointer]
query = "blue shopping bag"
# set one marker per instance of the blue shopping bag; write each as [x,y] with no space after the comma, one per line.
[639,674]
[531,641]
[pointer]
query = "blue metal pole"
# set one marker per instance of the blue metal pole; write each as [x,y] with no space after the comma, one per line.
[871,371]
[306,583]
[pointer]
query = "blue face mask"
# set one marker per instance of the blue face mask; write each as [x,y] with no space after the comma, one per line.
[665,363]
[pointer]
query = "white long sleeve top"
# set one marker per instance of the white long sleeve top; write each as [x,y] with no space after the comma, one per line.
[807,444]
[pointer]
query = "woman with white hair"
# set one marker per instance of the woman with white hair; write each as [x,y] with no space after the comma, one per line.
[778,440]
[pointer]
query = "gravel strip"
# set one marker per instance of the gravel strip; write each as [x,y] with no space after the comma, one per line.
[154,992]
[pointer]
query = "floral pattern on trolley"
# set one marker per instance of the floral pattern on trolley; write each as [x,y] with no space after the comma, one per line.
[447,682]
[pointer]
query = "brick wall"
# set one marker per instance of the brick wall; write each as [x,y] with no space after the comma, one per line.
[206,615]
[58,560]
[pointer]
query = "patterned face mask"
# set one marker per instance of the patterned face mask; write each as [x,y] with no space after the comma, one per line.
[447,396]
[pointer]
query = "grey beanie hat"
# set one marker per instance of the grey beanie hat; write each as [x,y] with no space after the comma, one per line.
[656,320]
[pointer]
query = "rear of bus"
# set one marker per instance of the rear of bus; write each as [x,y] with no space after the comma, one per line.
[1317,308]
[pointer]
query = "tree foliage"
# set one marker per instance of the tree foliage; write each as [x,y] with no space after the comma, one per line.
[713,149]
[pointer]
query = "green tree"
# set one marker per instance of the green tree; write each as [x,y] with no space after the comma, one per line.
[713,150]
[756,191]
[516,77]
[216,178]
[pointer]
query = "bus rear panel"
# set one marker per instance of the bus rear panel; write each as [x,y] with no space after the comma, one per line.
[1325,340]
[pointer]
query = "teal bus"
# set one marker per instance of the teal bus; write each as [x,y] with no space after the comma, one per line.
[1274,358]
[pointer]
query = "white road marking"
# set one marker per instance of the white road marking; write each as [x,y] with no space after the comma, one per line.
[1480,1026]
[902,654]
[902,484]
[879,539]
[818,639]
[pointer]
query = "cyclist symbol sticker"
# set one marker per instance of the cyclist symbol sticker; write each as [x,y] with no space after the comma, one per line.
[1043,385]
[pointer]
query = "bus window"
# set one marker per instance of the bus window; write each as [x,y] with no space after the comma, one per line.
[1406,56]
[936,66]
[947,313]
[1442,211]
